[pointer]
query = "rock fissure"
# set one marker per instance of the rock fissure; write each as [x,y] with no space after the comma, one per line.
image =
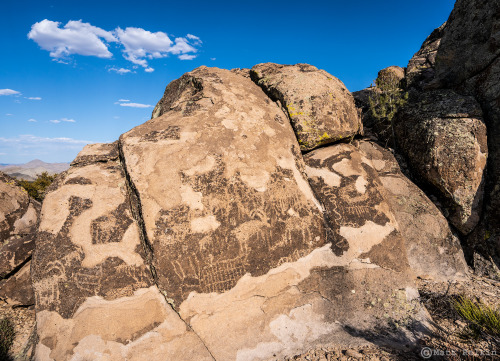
[135,206]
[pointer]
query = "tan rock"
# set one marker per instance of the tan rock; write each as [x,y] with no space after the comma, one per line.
[433,251]
[319,106]
[220,196]
[95,297]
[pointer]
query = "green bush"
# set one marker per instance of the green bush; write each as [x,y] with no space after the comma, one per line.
[482,319]
[7,335]
[38,187]
[385,102]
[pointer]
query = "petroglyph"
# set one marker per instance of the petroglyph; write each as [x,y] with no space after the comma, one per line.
[88,242]
[237,202]
[355,205]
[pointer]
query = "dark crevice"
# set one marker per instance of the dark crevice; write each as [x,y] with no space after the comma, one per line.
[136,209]
[16,269]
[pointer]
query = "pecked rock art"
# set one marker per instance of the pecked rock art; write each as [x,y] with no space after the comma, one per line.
[364,226]
[203,234]
[432,249]
[320,107]
[220,196]
[94,293]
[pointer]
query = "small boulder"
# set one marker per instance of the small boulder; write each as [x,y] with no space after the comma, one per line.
[319,106]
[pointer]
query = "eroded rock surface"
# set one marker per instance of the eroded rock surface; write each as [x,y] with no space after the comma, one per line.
[468,60]
[432,249]
[19,215]
[94,293]
[237,201]
[421,67]
[444,138]
[319,106]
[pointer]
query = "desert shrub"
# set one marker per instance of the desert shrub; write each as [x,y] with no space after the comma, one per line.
[482,319]
[7,334]
[38,187]
[385,103]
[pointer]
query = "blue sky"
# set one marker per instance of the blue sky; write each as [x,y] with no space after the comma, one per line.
[81,72]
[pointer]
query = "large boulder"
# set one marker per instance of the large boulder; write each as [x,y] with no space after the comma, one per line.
[95,297]
[432,248]
[319,106]
[19,216]
[198,236]
[443,136]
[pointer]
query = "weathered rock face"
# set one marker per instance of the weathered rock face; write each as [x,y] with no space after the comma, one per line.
[468,60]
[237,200]
[18,220]
[431,247]
[364,226]
[213,196]
[420,69]
[444,138]
[319,106]
[94,294]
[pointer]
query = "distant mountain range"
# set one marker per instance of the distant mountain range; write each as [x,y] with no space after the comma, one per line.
[31,170]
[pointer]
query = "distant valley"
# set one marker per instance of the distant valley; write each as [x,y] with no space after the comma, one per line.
[29,171]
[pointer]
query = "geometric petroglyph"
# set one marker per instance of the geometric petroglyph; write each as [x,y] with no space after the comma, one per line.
[221,276]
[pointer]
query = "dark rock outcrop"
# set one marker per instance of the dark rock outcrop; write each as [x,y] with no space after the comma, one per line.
[443,136]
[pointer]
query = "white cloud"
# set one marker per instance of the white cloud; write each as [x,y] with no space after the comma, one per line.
[32,120]
[187,57]
[75,38]
[121,71]
[196,40]
[9,92]
[57,121]
[123,100]
[9,115]
[140,45]
[149,70]
[135,105]
[212,59]
[33,98]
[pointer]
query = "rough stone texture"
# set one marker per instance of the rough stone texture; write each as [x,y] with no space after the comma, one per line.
[364,226]
[421,67]
[17,290]
[95,298]
[444,138]
[237,200]
[468,60]
[19,216]
[320,107]
[238,239]
[392,74]
[431,247]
